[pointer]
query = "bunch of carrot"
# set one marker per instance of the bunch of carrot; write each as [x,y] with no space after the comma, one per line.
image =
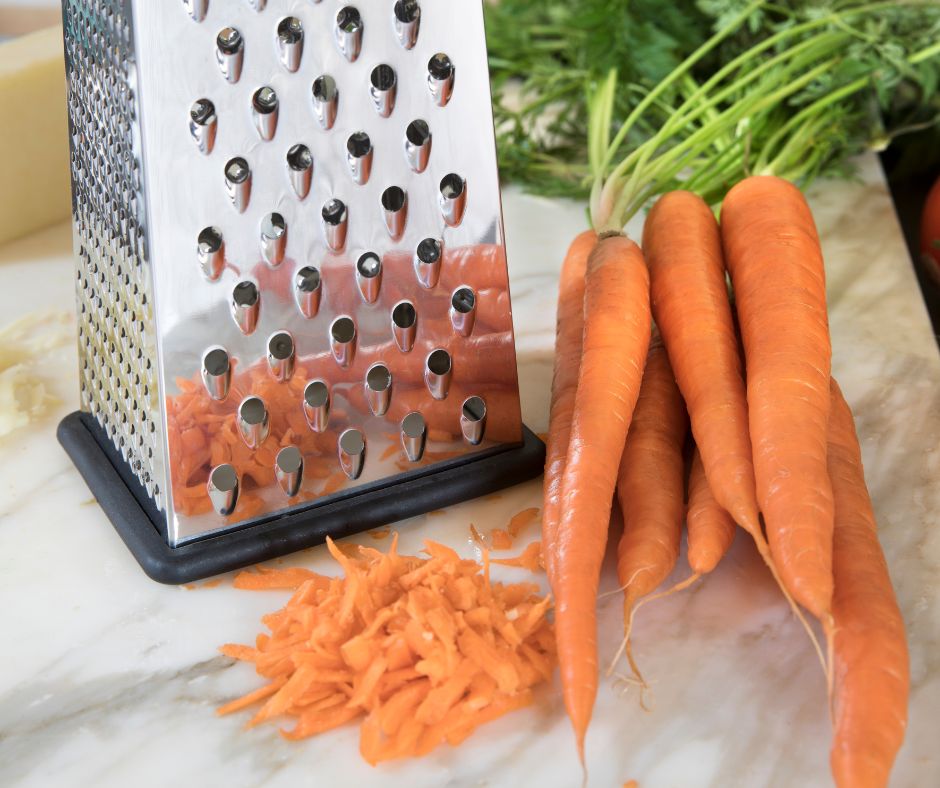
[775,450]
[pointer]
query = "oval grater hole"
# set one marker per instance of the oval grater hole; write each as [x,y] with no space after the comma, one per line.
[230,53]
[202,112]
[273,238]
[393,198]
[334,212]
[265,100]
[290,42]
[281,346]
[348,32]
[413,425]
[369,265]
[439,362]
[317,394]
[383,77]
[404,315]
[308,279]
[246,294]
[418,132]
[440,66]
[407,10]
[222,488]
[253,411]
[474,409]
[359,144]
[378,378]
[273,226]
[325,100]
[289,459]
[343,329]
[299,158]
[196,9]
[237,170]
[352,442]
[300,169]
[463,300]
[229,41]
[452,186]
[210,240]
[407,20]
[216,362]
[429,251]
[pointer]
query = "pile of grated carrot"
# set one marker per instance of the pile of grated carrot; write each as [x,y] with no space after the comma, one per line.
[424,649]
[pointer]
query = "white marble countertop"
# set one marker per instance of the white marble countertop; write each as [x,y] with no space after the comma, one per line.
[107,678]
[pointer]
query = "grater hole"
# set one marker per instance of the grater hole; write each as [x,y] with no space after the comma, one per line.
[281,346]
[383,77]
[202,112]
[273,226]
[349,20]
[245,294]
[358,144]
[352,442]
[369,265]
[413,425]
[440,66]
[429,250]
[317,394]
[324,89]
[230,41]
[404,315]
[474,409]
[334,212]
[407,11]
[289,459]
[463,300]
[210,240]
[452,186]
[264,100]
[237,170]
[252,411]
[308,279]
[378,378]
[439,362]
[299,158]
[216,362]
[343,329]
[224,478]
[393,198]
[290,30]
[418,133]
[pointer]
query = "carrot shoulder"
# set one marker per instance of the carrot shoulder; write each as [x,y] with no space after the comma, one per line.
[616,337]
[773,253]
[569,326]
[871,673]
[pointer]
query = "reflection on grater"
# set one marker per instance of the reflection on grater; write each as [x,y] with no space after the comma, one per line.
[291,266]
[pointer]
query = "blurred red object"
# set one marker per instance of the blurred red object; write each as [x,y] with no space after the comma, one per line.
[930,232]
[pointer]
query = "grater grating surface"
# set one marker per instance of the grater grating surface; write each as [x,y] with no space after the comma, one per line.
[322,304]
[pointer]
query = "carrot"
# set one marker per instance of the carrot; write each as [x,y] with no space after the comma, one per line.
[569,327]
[710,528]
[521,519]
[650,484]
[650,490]
[773,254]
[616,337]
[682,246]
[527,559]
[871,671]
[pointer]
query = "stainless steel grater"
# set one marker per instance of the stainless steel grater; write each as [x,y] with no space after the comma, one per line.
[293,301]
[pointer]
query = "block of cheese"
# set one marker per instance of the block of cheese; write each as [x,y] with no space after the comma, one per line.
[34,153]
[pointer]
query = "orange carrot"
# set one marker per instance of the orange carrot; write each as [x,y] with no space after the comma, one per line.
[650,486]
[682,246]
[617,327]
[871,672]
[521,519]
[710,528]
[569,328]
[773,254]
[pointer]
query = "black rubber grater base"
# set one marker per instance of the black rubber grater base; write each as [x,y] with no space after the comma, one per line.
[136,519]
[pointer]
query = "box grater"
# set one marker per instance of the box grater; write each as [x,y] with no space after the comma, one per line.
[293,302]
